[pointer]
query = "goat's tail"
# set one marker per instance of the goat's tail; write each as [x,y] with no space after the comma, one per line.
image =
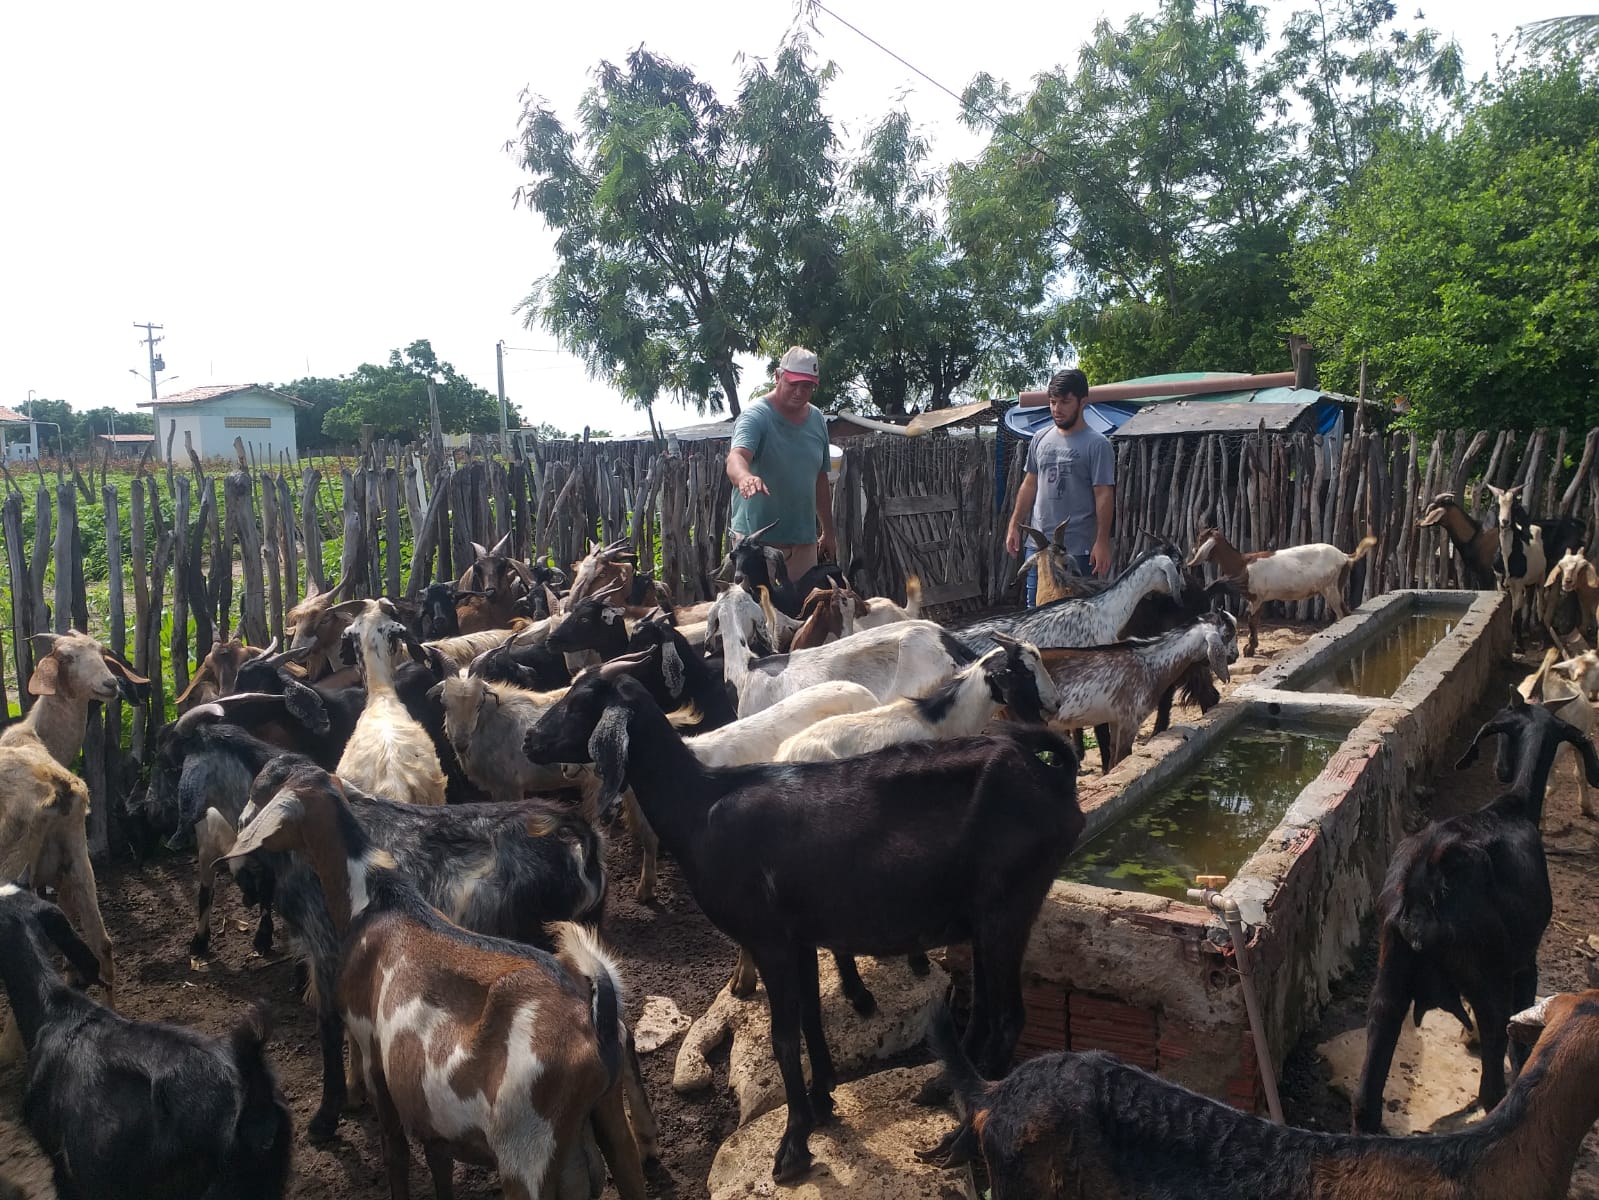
[580,952]
[964,1143]
[1366,543]
[265,1132]
[913,596]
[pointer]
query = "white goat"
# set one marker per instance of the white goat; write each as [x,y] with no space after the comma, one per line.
[1522,559]
[1296,573]
[1012,676]
[1578,578]
[389,754]
[756,739]
[1582,671]
[903,659]
[1119,685]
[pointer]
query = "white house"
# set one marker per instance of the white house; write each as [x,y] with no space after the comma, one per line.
[213,416]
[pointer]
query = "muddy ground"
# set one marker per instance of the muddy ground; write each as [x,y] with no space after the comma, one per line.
[664,949]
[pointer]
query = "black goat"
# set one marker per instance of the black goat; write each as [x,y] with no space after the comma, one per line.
[129,1110]
[439,602]
[500,869]
[756,565]
[1464,907]
[1088,1125]
[535,667]
[594,623]
[884,854]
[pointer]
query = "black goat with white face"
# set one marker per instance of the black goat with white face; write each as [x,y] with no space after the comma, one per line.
[128,1110]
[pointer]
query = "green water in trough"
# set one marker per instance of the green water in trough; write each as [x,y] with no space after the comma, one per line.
[1211,819]
[1380,666]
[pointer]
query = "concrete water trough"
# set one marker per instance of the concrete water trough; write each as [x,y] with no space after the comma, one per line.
[1296,789]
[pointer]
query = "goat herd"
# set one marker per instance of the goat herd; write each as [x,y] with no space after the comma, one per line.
[414,790]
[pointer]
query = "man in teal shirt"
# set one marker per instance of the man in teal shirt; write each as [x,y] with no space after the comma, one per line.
[778,467]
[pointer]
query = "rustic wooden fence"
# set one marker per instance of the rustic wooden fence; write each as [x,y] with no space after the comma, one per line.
[213,550]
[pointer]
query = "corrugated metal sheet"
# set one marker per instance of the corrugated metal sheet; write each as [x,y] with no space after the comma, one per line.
[1209,416]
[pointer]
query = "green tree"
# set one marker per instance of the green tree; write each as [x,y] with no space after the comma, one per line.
[676,217]
[1461,263]
[906,317]
[1154,182]
[324,395]
[394,398]
[57,413]
[1359,76]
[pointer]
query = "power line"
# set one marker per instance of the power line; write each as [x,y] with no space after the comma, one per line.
[967,106]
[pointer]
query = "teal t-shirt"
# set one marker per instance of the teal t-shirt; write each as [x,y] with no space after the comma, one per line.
[788,458]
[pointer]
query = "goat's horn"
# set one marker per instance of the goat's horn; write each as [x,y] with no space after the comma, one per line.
[1059,530]
[502,545]
[270,648]
[1037,535]
[763,529]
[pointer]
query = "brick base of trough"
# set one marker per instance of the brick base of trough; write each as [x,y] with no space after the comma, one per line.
[1154,980]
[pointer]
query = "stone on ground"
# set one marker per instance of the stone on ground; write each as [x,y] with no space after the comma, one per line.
[905,1005]
[660,1022]
[866,1153]
[1433,1078]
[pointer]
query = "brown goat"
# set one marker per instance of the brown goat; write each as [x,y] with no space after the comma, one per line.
[218,674]
[1074,1125]
[1477,545]
[315,626]
[821,619]
[483,1049]
[500,579]
[1056,567]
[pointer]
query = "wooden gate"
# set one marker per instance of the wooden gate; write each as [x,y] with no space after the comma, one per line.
[927,510]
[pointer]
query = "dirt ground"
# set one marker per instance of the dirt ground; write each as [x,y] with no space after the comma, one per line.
[666,949]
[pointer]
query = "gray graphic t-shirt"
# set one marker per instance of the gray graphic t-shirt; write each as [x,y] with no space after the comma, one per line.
[1069,467]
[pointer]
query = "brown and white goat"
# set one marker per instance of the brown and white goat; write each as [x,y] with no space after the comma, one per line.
[389,754]
[1522,560]
[1476,544]
[1073,1125]
[868,612]
[483,1049]
[1297,573]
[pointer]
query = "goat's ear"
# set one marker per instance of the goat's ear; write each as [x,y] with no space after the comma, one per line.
[1470,756]
[436,692]
[1526,1026]
[1583,745]
[271,828]
[1217,646]
[203,675]
[1588,575]
[46,676]
[305,706]
[1554,574]
[608,751]
[435,660]
[55,926]
[672,668]
[121,669]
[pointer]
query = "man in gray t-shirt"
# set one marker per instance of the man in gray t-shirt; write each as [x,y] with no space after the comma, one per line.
[1071,476]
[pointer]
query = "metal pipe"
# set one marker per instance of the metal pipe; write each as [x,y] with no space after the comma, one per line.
[1230,915]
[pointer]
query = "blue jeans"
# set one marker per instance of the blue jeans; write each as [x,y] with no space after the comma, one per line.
[1083,565]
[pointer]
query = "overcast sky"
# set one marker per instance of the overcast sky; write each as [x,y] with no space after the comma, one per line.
[297,188]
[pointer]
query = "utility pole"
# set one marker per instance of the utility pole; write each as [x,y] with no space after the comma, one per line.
[505,420]
[150,340]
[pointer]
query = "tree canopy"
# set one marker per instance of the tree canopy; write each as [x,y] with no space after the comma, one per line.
[676,216]
[393,398]
[1461,265]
